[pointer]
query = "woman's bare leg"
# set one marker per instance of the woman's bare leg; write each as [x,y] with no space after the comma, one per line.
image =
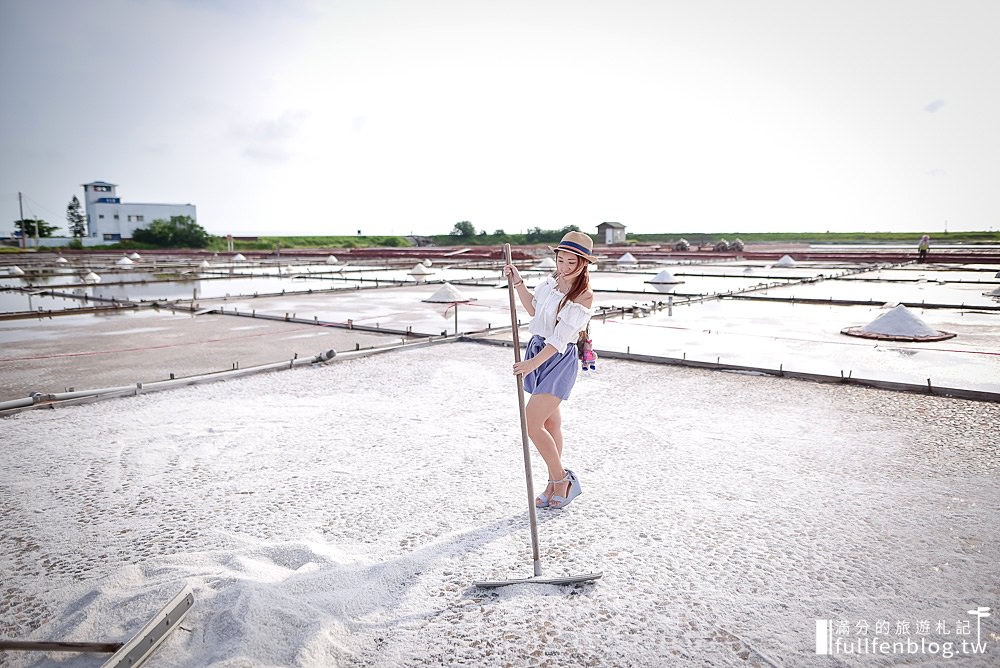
[542,413]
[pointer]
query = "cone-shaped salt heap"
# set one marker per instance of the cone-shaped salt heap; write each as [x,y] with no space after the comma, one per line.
[135,256]
[898,324]
[205,264]
[62,260]
[427,262]
[15,271]
[124,262]
[664,278]
[447,294]
[239,258]
[785,261]
[331,259]
[91,278]
[546,264]
[420,270]
[627,258]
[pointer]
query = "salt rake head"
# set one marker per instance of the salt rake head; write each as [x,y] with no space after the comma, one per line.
[538,579]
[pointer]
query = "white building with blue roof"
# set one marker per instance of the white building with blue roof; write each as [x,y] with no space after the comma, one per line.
[110,220]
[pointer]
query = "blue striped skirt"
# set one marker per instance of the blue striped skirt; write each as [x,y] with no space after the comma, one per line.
[557,375]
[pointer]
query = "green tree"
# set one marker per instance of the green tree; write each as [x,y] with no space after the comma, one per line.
[464,229]
[28,226]
[76,218]
[535,234]
[178,232]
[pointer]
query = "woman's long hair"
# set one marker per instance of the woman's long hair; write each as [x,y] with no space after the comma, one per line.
[580,285]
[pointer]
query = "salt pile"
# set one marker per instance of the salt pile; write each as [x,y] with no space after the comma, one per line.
[15,271]
[785,261]
[205,264]
[427,262]
[135,256]
[239,258]
[62,260]
[331,259]
[447,294]
[627,258]
[91,278]
[664,277]
[420,270]
[547,263]
[124,262]
[899,324]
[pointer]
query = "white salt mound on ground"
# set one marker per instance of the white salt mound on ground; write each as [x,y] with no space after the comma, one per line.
[124,262]
[785,261]
[446,294]
[420,270]
[664,277]
[627,258]
[547,263]
[900,321]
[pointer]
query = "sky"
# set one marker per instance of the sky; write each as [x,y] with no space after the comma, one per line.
[304,117]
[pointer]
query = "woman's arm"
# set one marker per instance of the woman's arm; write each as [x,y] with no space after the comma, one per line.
[523,293]
[527,299]
[527,366]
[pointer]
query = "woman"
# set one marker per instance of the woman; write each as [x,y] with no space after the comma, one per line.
[560,309]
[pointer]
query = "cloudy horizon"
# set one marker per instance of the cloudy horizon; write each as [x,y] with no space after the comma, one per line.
[391,117]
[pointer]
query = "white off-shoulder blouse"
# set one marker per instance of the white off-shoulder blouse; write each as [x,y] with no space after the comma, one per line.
[557,330]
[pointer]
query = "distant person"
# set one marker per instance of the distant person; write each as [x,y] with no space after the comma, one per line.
[560,309]
[923,248]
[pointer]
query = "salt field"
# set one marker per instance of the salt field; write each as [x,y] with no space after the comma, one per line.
[747,314]
[336,511]
[337,516]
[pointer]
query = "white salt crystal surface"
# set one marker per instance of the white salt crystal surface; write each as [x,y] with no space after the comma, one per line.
[337,516]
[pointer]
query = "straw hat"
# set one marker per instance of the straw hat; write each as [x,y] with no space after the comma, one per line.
[578,244]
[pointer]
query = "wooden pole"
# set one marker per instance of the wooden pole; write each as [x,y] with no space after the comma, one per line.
[535,555]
